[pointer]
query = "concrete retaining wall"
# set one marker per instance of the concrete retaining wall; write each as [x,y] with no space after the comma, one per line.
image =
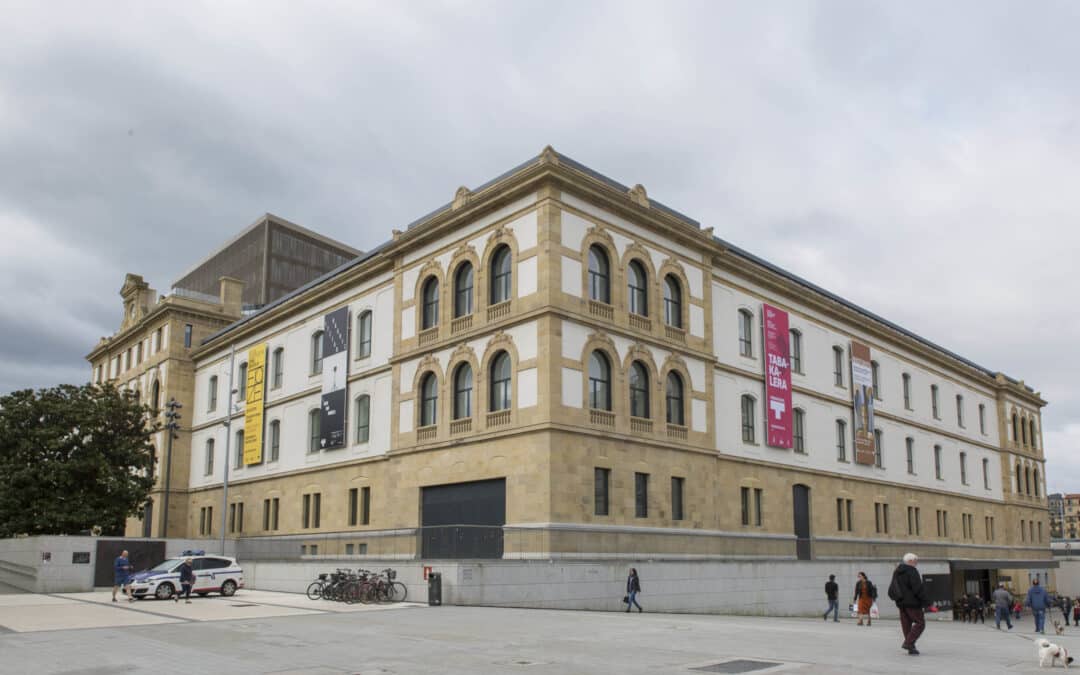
[44,564]
[767,587]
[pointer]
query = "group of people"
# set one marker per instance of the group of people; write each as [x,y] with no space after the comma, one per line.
[906,589]
[122,577]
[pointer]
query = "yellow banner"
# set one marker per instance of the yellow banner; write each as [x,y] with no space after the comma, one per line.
[253,410]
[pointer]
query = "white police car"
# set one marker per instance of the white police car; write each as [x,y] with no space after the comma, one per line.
[213,574]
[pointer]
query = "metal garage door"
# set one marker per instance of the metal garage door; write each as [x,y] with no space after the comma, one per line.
[463,520]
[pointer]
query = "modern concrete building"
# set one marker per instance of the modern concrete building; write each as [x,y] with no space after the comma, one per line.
[562,368]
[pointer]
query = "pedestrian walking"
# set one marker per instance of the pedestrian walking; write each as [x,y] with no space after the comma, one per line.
[1038,601]
[122,576]
[1003,601]
[1066,607]
[633,587]
[909,593]
[1017,608]
[1076,612]
[187,580]
[832,592]
[978,608]
[865,594]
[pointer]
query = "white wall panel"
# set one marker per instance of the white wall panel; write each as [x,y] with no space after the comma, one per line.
[574,337]
[699,414]
[405,417]
[527,277]
[572,387]
[408,323]
[524,229]
[697,321]
[574,228]
[527,388]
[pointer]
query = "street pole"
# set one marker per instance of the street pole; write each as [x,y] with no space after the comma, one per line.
[171,425]
[228,441]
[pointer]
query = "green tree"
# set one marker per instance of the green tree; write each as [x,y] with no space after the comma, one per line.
[73,457]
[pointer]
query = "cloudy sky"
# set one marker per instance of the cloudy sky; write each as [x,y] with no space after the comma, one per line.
[919,159]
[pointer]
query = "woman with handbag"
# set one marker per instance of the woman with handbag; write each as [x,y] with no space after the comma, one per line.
[633,587]
[865,594]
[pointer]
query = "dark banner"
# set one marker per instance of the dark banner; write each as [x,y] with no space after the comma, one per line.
[335,346]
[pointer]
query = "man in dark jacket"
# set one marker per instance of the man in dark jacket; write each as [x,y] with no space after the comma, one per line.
[909,593]
[187,580]
[832,590]
[1003,602]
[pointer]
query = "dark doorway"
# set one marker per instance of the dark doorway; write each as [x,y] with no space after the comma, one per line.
[141,554]
[800,499]
[463,520]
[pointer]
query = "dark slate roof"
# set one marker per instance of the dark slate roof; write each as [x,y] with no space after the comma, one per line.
[578,166]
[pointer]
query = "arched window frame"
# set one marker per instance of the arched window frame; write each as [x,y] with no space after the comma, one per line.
[429,303]
[599,388]
[428,409]
[363,334]
[363,418]
[1035,480]
[1032,436]
[1016,428]
[638,389]
[238,449]
[673,301]
[637,288]
[1019,479]
[675,398]
[155,396]
[841,441]
[1023,431]
[464,289]
[501,274]
[463,393]
[1027,481]
[875,369]
[211,393]
[500,381]
[316,352]
[208,457]
[599,273]
[748,418]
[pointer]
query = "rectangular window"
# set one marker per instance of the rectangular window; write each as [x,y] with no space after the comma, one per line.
[838,366]
[937,462]
[986,527]
[316,509]
[799,435]
[274,514]
[874,380]
[364,345]
[1023,532]
[275,440]
[986,474]
[641,495]
[911,520]
[918,520]
[877,517]
[879,449]
[982,418]
[365,506]
[1040,531]
[305,515]
[676,498]
[841,441]
[963,468]
[839,514]
[266,515]
[850,511]
[746,332]
[232,517]
[238,451]
[212,394]
[796,352]
[138,353]
[240,517]
[745,501]
[757,507]
[910,443]
[157,341]
[992,535]
[208,467]
[353,505]
[349,549]
[907,391]
[187,335]
[934,401]
[601,482]
[748,419]
[127,359]
[960,411]
[314,431]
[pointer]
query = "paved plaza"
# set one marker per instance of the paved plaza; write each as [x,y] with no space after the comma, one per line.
[264,632]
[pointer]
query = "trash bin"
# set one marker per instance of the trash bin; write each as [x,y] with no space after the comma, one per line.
[434,589]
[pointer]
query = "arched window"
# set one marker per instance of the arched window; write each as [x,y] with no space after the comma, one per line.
[599,381]
[211,393]
[363,419]
[1027,481]
[463,391]
[1034,441]
[637,288]
[672,301]
[314,431]
[1016,428]
[241,382]
[463,290]
[746,333]
[841,440]
[429,400]
[639,390]
[429,298]
[673,392]
[238,450]
[316,353]
[747,418]
[599,275]
[1035,480]
[363,332]
[1019,479]
[208,459]
[796,351]
[499,398]
[1023,432]
[155,396]
[500,275]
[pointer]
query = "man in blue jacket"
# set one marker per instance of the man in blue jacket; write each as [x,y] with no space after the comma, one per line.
[1038,600]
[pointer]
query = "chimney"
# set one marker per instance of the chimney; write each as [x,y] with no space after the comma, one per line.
[232,292]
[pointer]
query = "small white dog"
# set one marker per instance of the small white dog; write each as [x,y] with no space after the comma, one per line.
[1049,653]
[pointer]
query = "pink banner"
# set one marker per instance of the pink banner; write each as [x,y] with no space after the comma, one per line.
[778,415]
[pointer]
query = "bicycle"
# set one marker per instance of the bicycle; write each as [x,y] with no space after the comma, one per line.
[315,589]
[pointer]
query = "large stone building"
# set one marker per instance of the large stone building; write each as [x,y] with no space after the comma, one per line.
[576,371]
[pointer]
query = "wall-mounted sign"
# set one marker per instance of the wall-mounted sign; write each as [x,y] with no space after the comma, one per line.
[335,345]
[80,558]
[778,413]
[862,383]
